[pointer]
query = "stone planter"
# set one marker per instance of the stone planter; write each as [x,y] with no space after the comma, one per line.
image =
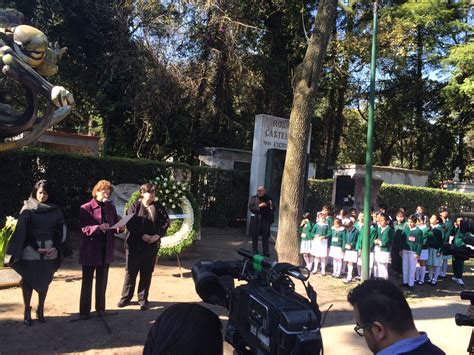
[9,277]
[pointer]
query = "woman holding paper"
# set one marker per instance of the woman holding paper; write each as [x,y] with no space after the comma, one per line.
[35,246]
[147,226]
[97,246]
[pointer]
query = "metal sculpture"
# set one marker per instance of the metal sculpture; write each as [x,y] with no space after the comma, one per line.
[25,56]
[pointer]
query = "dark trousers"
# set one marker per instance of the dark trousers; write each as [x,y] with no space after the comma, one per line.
[142,261]
[396,264]
[458,267]
[101,275]
[265,233]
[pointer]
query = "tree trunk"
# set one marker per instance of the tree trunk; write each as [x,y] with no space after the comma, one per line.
[305,84]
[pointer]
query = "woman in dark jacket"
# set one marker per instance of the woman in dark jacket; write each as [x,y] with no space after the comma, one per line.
[35,245]
[97,246]
[147,226]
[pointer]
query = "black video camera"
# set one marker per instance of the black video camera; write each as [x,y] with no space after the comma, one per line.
[463,252]
[464,319]
[266,315]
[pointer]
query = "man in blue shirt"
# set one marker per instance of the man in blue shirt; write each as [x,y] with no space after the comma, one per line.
[384,319]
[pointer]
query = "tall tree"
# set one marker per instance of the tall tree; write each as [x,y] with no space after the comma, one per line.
[305,85]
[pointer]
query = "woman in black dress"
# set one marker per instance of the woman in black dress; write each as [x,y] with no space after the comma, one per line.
[34,246]
[147,226]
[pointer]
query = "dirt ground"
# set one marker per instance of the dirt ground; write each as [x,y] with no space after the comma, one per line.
[433,308]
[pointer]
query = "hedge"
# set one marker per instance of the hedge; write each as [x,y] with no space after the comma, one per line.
[221,194]
[396,196]
[319,194]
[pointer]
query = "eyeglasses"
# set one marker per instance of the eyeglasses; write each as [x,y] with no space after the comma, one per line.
[359,328]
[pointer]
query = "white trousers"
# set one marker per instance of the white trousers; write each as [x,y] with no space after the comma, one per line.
[337,266]
[382,270]
[409,267]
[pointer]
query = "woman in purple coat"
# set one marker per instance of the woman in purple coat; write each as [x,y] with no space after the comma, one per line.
[97,246]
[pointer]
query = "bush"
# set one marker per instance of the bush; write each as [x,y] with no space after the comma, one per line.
[396,196]
[319,195]
[74,176]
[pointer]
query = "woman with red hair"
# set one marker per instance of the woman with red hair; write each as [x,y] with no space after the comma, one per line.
[97,246]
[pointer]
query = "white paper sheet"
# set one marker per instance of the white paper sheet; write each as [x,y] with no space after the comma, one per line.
[122,222]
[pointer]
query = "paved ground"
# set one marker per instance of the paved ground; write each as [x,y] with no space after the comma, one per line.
[433,309]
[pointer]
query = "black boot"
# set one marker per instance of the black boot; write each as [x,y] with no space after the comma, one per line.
[40,313]
[27,317]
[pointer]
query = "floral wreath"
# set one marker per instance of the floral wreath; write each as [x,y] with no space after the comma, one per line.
[174,195]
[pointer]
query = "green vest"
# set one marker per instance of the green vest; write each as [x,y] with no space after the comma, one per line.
[386,237]
[351,238]
[413,240]
[323,230]
[337,238]
[306,232]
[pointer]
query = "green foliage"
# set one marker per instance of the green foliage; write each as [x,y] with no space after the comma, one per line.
[134,198]
[174,227]
[5,234]
[207,185]
[74,176]
[396,196]
[319,194]
[164,79]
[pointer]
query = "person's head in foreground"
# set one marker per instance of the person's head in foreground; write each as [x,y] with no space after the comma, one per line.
[383,317]
[185,329]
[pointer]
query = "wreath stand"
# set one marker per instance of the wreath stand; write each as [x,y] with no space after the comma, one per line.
[177,260]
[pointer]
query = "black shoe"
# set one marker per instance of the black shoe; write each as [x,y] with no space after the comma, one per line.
[84,316]
[27,317]
[143,305]
[123,303]
[40,314]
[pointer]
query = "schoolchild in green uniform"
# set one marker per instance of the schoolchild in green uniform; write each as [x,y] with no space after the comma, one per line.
[421,266]
[448,231]
[306,240]
[413,242]
[398,227]
[321,233]
[461,231]
[434,243]
[383,243]
[350,252]
[336,252]
[329,216]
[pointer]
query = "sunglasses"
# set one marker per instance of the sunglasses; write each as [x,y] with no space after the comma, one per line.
[359,328]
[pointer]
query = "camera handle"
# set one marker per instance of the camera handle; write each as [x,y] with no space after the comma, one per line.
[470,348]
[469,295]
